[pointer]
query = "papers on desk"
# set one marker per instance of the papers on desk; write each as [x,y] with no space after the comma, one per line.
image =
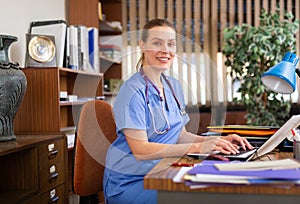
[256,135]
[283,173]
[258,165]
[69,132]
[179,176]
[244,130]
[213,178]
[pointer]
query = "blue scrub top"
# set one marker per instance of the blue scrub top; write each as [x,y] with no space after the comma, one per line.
[131,111]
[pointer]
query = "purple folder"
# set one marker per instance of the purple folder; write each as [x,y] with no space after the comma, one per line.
[207,167]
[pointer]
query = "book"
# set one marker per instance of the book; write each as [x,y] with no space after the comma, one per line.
[73,47]
[83,48]
[111,49]
[93,36]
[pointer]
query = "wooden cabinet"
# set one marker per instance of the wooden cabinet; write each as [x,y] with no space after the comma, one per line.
[34,170]
[42,111]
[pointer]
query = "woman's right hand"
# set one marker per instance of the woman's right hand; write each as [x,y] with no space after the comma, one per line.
[226,147]
[212,143]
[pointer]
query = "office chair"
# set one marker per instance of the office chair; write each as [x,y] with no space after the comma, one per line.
[95,132]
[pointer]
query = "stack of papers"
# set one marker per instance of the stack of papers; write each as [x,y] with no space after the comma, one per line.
[258,165]
[69,132]
[245,130]
[256,135]
[284,172]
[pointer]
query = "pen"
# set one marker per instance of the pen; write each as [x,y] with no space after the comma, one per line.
[182,164]
[296,135]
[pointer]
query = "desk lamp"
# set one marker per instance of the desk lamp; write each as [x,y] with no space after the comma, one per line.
[281,78]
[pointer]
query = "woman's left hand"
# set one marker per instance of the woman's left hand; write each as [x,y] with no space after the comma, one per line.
[236,139]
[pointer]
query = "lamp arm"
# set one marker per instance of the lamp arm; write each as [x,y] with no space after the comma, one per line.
[298,72]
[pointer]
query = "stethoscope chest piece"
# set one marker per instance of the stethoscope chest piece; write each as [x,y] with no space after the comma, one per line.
[182,112]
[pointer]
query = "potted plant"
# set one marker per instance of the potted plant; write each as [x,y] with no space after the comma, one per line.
[249,52]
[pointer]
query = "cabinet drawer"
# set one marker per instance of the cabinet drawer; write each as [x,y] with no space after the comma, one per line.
[52,176]
[51,153]
[33,200]
[54,195]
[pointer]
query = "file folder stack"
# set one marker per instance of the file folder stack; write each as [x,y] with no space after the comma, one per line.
[284,172]
[244,130]
[82,48]
[256,135]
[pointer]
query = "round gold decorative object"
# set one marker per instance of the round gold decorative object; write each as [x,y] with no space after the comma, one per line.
[41,49]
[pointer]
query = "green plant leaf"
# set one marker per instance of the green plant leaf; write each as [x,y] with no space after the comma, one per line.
[249,52]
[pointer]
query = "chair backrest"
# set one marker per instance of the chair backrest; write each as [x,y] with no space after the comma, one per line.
[95,132]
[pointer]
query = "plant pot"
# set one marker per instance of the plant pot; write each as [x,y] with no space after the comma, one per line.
[12,89]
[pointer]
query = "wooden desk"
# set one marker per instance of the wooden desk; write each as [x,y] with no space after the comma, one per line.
[34,170]
[160,178]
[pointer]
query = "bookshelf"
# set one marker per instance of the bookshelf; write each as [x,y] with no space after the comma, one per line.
[42,111]
[86,13]
[111,68]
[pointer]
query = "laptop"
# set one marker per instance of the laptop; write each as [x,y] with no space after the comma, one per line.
[268,146]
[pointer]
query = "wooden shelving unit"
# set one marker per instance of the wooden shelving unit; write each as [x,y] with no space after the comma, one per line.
[111,69]
[83,13]
[42,111]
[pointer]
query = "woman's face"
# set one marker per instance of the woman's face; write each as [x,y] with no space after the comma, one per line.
[160,48]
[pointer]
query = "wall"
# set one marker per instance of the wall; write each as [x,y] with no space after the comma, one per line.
[15,18]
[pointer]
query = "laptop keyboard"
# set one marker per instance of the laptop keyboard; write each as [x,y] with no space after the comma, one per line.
[243,153]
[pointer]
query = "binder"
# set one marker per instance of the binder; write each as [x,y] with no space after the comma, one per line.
[83,48]
[58,29]
[73,47]
[93,36]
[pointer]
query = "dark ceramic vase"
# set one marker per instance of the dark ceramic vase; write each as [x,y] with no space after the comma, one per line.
[12,89]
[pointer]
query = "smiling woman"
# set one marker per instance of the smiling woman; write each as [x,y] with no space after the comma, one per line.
[150,118]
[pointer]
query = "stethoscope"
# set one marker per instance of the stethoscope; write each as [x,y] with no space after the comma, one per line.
[181,108]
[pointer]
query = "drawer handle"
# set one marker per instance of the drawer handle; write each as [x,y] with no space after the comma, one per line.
[52,154]
[54,199]
[53,177]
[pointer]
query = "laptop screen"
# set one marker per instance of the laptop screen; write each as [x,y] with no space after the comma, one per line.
[279,136]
